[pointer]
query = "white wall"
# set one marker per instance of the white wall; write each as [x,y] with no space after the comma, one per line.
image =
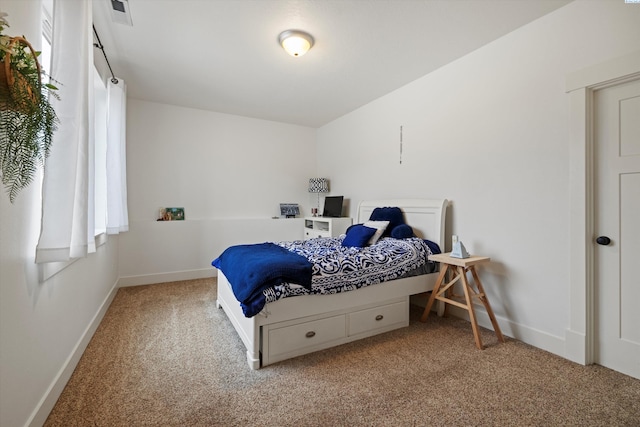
[490,132]
[230,173]
[44,326]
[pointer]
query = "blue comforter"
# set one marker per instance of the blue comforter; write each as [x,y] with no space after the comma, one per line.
[253,268]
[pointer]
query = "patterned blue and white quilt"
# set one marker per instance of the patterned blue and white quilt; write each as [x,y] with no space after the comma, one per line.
[337,268]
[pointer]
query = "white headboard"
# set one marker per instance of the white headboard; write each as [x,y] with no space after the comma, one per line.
[425,216]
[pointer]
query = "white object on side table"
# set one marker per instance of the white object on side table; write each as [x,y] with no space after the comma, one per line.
[325,227]
[459,251]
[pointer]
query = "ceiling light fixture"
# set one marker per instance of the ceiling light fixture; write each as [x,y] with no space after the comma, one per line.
[295,42]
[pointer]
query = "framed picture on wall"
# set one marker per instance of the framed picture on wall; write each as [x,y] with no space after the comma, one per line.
[172,214]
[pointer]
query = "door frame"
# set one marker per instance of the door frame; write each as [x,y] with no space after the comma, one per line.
[580,86]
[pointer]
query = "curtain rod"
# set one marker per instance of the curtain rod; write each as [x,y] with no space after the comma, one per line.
[101,47]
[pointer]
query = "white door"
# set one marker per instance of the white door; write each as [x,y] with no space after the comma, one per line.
[617,201]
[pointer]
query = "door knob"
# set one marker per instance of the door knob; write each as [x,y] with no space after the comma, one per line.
[603,240]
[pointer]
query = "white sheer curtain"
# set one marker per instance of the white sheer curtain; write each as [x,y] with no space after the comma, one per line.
[67,195]
[117,212]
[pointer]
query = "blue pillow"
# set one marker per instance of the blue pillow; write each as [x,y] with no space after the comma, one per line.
[403,231]
[435,249]
[391,214]
[358,236]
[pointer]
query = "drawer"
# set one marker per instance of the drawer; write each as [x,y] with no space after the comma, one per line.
[388,316]
[316,333]
[312,234]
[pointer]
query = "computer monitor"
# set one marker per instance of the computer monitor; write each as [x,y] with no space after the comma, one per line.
[333,206]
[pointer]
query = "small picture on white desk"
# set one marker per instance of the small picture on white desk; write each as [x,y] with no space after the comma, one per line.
[289,210]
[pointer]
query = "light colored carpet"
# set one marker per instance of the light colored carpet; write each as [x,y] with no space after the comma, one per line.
[164,355]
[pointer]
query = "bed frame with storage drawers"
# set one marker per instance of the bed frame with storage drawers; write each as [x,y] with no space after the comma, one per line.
[299,325]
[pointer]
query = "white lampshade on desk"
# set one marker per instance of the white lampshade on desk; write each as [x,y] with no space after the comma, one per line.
[318,185]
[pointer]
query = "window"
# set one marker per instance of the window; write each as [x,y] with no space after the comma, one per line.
[72,170]
[100,148]
[100,153]
[47,37]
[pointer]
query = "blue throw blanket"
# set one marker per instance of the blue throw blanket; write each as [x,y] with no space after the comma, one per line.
[253,268]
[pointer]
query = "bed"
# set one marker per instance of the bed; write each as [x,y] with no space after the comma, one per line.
[291,327]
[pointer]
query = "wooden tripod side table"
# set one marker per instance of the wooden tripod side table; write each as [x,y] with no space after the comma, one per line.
[444,292]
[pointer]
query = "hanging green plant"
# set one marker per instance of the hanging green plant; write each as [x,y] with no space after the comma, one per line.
[27,119]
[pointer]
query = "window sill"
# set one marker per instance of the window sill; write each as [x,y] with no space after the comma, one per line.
[49,269]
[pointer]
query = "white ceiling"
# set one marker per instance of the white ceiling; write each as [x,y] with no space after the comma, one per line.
[223,55]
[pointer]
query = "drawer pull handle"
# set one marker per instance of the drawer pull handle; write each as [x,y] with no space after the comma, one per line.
[379,317]
[310,334]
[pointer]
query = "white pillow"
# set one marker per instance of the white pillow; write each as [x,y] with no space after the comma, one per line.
[380,226]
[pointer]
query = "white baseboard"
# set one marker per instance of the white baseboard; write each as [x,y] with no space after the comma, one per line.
[174,276]
[48,401]
[526,334]
[534,337]
[576,347]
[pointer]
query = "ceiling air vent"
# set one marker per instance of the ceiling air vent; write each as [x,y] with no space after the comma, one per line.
[120,12]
